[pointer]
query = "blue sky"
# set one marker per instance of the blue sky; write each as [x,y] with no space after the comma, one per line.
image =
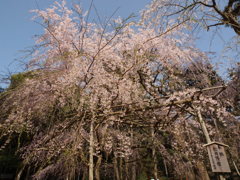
[17,29]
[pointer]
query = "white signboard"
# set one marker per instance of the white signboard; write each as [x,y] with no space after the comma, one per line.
[218,158]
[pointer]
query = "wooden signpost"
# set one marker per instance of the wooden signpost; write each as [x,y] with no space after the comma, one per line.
[217,157]
[216,152]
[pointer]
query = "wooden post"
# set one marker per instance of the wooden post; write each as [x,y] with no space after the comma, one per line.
[206,134]
[203,125]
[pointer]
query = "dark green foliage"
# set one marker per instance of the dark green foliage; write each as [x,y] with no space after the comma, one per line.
[201,74]
[9,160]
[19,78]
[1,89]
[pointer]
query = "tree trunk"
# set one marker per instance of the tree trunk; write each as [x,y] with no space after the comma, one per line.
[91,163]
[97,168]
[84,174]
[155,168]
[203,174]
[133,169]
[165,167]
[126,171]
[19,174]
[116,170]
[121,168]
[190,175]
[134,172]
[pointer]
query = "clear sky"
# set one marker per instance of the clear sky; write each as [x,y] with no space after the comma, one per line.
[17,29]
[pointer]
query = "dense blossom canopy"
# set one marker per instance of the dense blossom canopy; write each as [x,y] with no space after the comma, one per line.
[112,92]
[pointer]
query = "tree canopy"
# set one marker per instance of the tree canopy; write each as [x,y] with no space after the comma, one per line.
[113,101]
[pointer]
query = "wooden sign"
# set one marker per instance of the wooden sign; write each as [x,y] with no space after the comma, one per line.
[218,158]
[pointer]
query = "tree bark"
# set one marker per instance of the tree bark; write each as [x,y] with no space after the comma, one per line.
[155,168]
[126,171]
[97,168]
[165,167]
[91,163]
[121,168]
[19,174]
[116,170]
[134,172]
[203,174]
